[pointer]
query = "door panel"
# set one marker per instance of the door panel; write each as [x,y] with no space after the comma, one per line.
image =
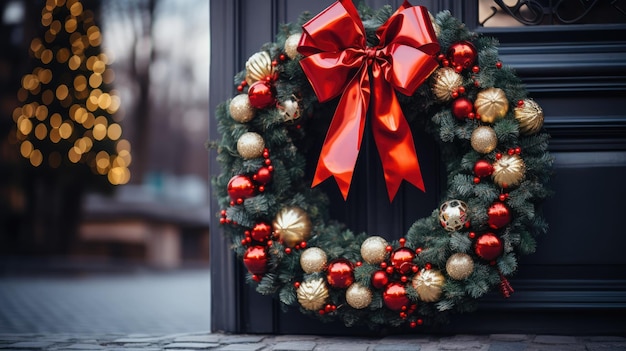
[576,281]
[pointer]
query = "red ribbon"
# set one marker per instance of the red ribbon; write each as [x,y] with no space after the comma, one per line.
[337,61]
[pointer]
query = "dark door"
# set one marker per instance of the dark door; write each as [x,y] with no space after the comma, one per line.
[576,281]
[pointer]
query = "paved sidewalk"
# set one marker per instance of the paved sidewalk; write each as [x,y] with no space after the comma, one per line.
[208,341]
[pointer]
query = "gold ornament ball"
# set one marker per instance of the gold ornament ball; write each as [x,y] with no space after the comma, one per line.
[491,104]
[508,171]
[312,294]
[291,45]
[292,225]
[530,117]
[374,249]
[459,266]
[484,139]
[435,25]
[258,67]
[444,82]
[429,284]
[250,145]
[453,215]
[358,296]
[240,108]
[313,260]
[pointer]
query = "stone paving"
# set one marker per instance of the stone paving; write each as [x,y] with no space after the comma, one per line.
[226,342]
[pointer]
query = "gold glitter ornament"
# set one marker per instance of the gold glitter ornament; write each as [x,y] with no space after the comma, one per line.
[491,104]
[530,117]
[358,296]
[429,285]
[508,171]
[312,294]
[313,260]
[484,139]
[444,82]
[291,45]
[259,67]
[240,108]
[459,266]
[292,225]
[250,145]
[436,26]
[374,249]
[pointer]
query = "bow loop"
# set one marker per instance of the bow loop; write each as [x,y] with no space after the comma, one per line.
[338,62]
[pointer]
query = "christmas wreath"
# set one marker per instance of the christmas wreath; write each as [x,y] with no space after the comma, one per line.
[402,69]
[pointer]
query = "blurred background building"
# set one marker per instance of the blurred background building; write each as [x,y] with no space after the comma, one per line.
[103,132]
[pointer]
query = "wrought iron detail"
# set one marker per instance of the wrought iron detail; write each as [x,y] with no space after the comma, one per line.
[555,12]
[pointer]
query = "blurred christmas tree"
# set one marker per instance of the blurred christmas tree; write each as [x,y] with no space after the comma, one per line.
[66,125]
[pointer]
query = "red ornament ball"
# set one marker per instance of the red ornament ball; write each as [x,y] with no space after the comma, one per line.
[462,107]
[261,94]
[463,54]
[402,260]
[488,246]
[380,279]
[395,297]
[340,273]
[261,232]
[499,215]
[240,187]
[255,260]
[262,176]
[483,168]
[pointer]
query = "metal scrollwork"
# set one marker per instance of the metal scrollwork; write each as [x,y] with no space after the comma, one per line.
[536,12]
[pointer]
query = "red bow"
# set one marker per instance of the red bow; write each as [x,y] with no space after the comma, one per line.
[337,60]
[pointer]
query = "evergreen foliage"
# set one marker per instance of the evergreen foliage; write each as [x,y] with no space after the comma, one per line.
[288,143]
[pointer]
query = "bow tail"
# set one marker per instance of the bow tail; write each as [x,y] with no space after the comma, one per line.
[343,139]
[394,140]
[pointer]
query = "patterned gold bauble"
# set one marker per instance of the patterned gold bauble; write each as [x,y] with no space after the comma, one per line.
[491,104]
[291,45]
[444,82]
[508,171]
[290,110]
[312,294]
[292,225]
[429,284]
[259,67]
[358,296]
[240,108]
[250,145]
[530,117]
[313,260]
[374,249]
[459,266]
[484,139]
[453,215]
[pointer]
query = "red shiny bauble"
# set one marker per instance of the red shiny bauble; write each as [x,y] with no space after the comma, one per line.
[488,246]
[402,260]
[261,232]
[262,176]
[380,279]
[255,260]
[462,107]
[483,168]
[499,215]
[340,273]
[240,187]
[261,94]
[395,297]
[462,53]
